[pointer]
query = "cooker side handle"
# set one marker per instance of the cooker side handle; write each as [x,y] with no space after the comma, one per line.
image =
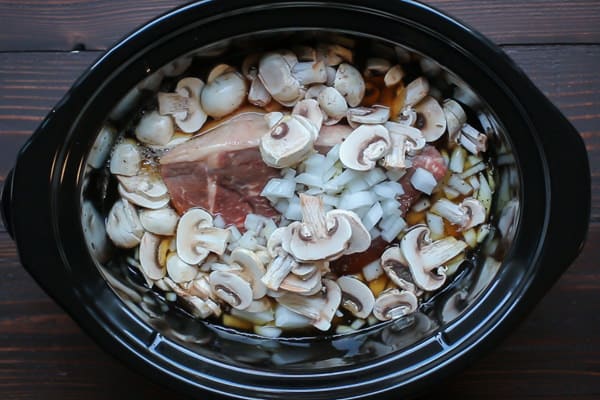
[5,204]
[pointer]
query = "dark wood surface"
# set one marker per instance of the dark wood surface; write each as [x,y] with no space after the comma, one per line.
[553,354]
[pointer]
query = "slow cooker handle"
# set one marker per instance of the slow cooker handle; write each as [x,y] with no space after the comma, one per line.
[5,205]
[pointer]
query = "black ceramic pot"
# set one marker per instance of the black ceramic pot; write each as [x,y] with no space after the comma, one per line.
[54,187]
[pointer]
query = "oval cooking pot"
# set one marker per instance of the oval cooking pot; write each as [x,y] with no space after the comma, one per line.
[43,191]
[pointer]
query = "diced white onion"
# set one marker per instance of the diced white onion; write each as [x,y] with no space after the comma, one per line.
[436,225]
[357,185]
[235,233]
[353,201]
[254,222]
[330,200]
[372,270]
[281,206]
[474,182]
[309,179]
[358,323]
[375,176]
[395,174]
[390,207]
[473,170]
[219,222]
[373,216]
[279,188]
[375,233]
[421,205]
[451,193]
[267,331]
[293,211]
[482,233]
[285,318]
[460,185]
[423,181]
[470,237]
[388,190]
[450,211]
[248,240]
[394,229]
[484,195]
[457,160]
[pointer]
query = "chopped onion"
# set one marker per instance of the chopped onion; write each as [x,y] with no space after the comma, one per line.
[390,207]
[281,206]
[484,195]
[313,191]
[293,211]
[421,205]
[358,323]
[474,182]
[254,222]
[353,201]
[375,233]
[337,183]
[393,229]
[482,233]
[269,331]
[331,200]
[395,174]
[219,222]
[357,184]
[309,179]
[436,225]
[375,176]
[388,190]
[261,317]
[423,181]
[470,237]
[457,160]
[285,318]
[473,170]
[451,193]
[279,188]
[235,233]
[372,216]
[248,241]
[460,185]
[372,270]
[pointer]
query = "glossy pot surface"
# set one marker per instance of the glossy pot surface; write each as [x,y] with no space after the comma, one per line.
[404,357]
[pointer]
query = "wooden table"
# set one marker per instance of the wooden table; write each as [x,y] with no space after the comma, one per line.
[45,45]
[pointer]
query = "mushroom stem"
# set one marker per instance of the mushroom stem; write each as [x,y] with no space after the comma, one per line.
[313,216]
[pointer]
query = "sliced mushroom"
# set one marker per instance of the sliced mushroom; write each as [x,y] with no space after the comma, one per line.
[333,105]
[350,83]
[184,104]
[319,308]
[393,303]
[333,54]
[276,75]
[146,190]
[314,91]
[160,222]
[396,268]
[199,307]
[125,159]
[393,76]
[426,258]
[471,139]
[278,269]
[368,115]
[224,92]
[407,116]
[376,67]
[305,287]
[319,236]
[455,118]
[252,268]
[404,139]
[416,91]
[356,296]
[258,94]
[288,142]
[469,213]
[365,145]
[180,271]
[430,119]
[309,108]
[123,225]
[149,262]
[361,238]
[231,288]
[154,129]
[310,72]
[196,237]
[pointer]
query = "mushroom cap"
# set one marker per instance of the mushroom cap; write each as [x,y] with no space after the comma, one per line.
[393,303]
[393,76]
[146,190]
[425,258]
[123,225]
[319,307]
[310,72]
[278,269]
[231,288]
[224,94]
[364,146]
[314,91]
[196,237]
[180,271]
[333,54]
[160,222]
[455,118]
[416,91]
[306,287]
[258,94]
[288,142]
[155,129]
[195,116]
[475,211]
[125,159]
[350,83]
[149,257]
[309,109]
[333,105]
[405,139]
[356,296]
[430,119]
[368,115]
[361,238]
[304,246]
[253,268]
[276,75]
[396,268]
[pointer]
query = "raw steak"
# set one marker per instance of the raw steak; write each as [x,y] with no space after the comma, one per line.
[221,170]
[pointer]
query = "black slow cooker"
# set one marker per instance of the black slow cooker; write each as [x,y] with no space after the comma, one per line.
[55,198]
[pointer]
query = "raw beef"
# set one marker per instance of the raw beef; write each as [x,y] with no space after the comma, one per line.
[221,170]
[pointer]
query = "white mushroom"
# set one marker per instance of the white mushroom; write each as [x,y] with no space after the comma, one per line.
[196,236]
[184,104]
[393,303]
[310,72]
[361,238]
[396,268]
[252,268]
[469,213]
[426,258]
[333,54]
[258,94]
[314,91]
[309,108]
[455,118]
[102,146]
[306,287]
[278,270]
[393,76]
[333,105]
[146,190]
[231,288]
[149,262]
[416,91]
[430,119]
[160,222]
[472,140]
[320,308]
[376,66]
[350,83]
[276,75]
[125,159]
[154,129]
[365,145]
[356,296]
[288,142]
[224,92]
[407,116]
[368,115]
[123,225]
[404,139]
[179,270]
[199,307]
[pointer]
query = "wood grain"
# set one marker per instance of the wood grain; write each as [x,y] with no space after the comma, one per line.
[67,24]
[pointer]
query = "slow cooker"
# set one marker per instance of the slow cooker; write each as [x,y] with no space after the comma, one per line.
[55,198]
